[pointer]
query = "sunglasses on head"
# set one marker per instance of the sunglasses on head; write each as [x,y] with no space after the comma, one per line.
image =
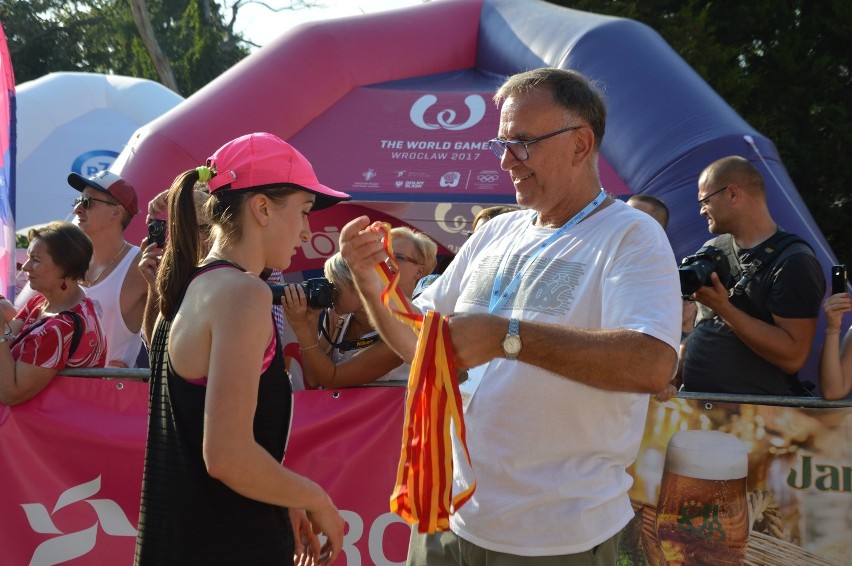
[86,202]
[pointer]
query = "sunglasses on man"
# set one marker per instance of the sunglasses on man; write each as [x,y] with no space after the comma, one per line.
[86,202]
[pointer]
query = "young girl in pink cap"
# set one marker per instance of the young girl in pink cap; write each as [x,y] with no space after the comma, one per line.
[214,490]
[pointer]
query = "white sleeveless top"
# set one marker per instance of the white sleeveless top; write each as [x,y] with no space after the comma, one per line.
[122,344]
[399,373]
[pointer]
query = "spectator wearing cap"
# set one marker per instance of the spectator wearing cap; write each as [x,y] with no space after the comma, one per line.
[104,209]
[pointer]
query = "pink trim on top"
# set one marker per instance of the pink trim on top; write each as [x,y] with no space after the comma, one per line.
[267,361]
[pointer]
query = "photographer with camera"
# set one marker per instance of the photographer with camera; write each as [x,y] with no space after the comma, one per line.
[759,291]
[347,351]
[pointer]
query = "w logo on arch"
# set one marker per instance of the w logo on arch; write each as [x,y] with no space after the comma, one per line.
[67,546]
[446,118]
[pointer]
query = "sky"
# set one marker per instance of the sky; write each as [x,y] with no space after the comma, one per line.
[262,26]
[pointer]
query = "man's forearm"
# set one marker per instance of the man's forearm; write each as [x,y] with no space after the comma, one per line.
[615,360]
[785,348]
[362,248]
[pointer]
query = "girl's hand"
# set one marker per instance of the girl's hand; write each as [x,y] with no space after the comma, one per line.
[149,263]
[307,542]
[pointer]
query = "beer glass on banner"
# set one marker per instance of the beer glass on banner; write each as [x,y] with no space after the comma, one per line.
[702,511]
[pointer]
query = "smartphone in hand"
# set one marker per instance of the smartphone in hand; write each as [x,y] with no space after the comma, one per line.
[157,232]
[838,279]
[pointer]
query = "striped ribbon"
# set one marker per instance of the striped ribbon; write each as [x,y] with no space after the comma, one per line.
[422,494]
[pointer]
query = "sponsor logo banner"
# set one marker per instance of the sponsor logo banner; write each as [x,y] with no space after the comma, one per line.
[71,469]
[797,487]
[408,146]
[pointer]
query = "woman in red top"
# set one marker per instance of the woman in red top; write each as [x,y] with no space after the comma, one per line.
[58,326]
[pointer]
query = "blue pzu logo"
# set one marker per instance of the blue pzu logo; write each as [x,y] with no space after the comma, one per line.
[93,162]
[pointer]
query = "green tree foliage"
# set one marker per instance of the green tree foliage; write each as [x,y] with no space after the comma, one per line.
[784,66]
[100,36]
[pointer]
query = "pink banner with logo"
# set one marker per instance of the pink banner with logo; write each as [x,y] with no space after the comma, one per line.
[415,145]
[71,470]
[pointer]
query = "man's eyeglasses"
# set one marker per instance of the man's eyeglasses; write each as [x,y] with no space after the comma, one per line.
[520,149]
[86,202]
[703,201]
[402,258]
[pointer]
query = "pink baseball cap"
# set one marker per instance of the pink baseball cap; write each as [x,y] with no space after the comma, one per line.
[111,184]
[260,159]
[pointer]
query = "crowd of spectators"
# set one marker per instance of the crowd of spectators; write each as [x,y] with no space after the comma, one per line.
[750,334]
[571,265]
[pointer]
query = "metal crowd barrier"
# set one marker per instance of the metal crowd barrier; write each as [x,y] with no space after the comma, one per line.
[140,374]
[709,398]
[809,402]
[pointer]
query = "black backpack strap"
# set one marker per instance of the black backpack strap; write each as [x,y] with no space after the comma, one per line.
[78,331]
[75,337]
[765,255]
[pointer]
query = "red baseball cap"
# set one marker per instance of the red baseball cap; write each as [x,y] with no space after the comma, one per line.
[111,184]
[260,159]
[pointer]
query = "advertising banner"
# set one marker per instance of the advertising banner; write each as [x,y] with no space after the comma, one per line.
[416,145]
[71,471]
[8,152]
[757,484]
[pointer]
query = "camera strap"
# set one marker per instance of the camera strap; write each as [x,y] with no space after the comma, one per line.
[346,345]
[358,343]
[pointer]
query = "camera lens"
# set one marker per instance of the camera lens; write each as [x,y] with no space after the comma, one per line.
[319,292]
[693,276]
[695,270]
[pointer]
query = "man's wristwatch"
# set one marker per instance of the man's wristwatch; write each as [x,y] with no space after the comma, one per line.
[512,340]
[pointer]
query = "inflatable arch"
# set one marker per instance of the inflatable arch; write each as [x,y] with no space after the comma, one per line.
[75,122]
[395,108]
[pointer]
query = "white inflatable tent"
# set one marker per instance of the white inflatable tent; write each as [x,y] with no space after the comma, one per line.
[75,122]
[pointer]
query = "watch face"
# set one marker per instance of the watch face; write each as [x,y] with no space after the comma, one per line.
[512,344]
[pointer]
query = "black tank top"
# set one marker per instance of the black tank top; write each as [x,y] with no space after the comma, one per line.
[186,516]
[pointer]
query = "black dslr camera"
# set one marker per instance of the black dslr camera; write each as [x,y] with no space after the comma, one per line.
[695,270]
[319,291]
[157,232]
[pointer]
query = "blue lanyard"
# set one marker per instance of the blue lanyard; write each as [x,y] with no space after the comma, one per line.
[498,298]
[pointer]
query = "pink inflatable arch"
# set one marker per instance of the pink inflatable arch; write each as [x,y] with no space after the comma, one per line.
[390,107]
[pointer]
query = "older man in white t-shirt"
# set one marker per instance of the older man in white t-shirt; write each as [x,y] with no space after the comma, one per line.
[568,314]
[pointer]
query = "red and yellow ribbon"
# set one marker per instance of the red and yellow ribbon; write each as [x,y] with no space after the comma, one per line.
[422,494]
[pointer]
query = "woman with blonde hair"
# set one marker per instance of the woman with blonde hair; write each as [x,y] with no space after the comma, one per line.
[347,352]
